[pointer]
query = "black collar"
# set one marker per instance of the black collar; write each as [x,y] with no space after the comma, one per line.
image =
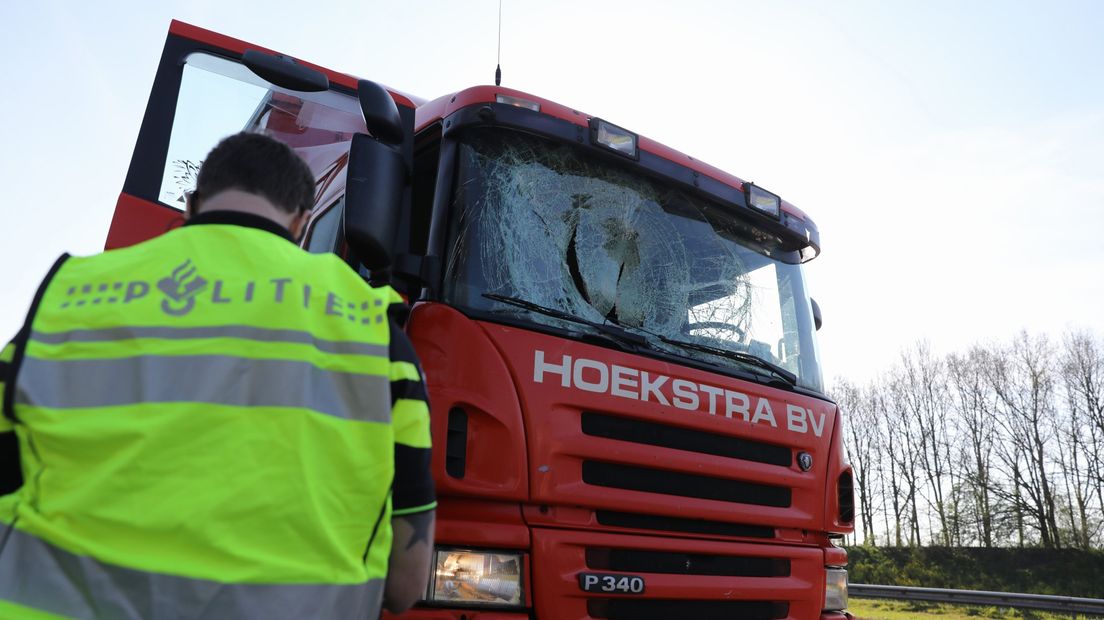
[238,218]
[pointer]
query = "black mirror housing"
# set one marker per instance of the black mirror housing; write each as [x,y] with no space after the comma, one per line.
[817,320]
[373,196]
[381,115]
[377,179]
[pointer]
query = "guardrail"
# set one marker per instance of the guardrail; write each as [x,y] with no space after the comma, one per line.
[1061,604]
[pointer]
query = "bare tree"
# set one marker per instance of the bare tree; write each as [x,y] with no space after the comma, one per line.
[860,432]
[904,434]
[897,493]
[1002,444]
[1023,381]
[1082,364]
[925,401]
[974,408]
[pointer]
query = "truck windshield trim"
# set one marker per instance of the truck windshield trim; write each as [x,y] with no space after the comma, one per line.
[562,229]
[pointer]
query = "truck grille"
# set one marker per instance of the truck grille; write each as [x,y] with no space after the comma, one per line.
[680,578]
[635,478]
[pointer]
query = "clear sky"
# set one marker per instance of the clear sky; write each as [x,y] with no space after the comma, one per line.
[952,153]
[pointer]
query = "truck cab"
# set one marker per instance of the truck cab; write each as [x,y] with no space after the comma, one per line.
[627,407]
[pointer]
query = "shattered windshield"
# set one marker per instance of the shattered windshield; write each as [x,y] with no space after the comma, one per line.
[556,227]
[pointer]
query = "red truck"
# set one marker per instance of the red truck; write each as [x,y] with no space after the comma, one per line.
[628,415]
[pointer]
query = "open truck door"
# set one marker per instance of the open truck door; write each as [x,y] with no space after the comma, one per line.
[209,86]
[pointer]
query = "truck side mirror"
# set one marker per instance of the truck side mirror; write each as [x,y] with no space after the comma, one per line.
[376,178]
[381,115]
[817,320]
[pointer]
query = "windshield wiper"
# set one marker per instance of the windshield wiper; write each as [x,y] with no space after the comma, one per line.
[623,336]
[739,356]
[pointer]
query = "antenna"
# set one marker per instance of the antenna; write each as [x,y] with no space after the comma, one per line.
[498,67]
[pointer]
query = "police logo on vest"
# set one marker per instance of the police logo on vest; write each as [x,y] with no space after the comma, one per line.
[180,289]
[634,384]
[184,287]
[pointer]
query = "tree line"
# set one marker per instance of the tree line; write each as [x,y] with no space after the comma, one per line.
[999,445]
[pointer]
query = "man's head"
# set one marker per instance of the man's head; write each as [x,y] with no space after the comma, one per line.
[256,174]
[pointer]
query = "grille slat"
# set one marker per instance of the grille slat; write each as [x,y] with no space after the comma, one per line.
[649,480]
[645,609]
[678,524]
[678,563]
[688,440]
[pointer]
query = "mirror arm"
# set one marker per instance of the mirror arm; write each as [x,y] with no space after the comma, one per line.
[418,271]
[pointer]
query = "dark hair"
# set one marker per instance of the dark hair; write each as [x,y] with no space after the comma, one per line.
[258,164]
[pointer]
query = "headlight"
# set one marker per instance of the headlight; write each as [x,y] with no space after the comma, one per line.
[835,591]
[481,578]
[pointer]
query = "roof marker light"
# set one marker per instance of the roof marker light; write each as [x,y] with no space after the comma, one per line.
[517,102]
[614,138]
[763,201]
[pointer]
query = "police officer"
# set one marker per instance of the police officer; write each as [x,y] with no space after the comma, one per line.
[215,423]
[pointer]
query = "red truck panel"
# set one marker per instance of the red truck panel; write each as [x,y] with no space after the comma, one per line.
[464,371]
[138,220]
[559,450]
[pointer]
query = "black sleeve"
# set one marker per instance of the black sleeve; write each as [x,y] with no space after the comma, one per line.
[11,470]
[413,488]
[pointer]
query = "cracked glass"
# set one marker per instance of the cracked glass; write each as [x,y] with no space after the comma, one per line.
[556,226]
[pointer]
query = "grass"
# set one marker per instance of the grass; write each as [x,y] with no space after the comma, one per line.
[879,609]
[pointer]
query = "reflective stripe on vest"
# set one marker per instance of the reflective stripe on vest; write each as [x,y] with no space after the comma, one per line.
[40,576]
[208,407]
[232,381]
[243,332]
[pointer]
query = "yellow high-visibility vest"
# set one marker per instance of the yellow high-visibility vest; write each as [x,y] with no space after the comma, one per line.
[206,429]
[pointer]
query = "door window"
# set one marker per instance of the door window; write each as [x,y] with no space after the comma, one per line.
[219,97]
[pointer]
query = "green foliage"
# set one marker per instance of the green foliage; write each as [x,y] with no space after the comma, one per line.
[876,609]
[1068,572]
